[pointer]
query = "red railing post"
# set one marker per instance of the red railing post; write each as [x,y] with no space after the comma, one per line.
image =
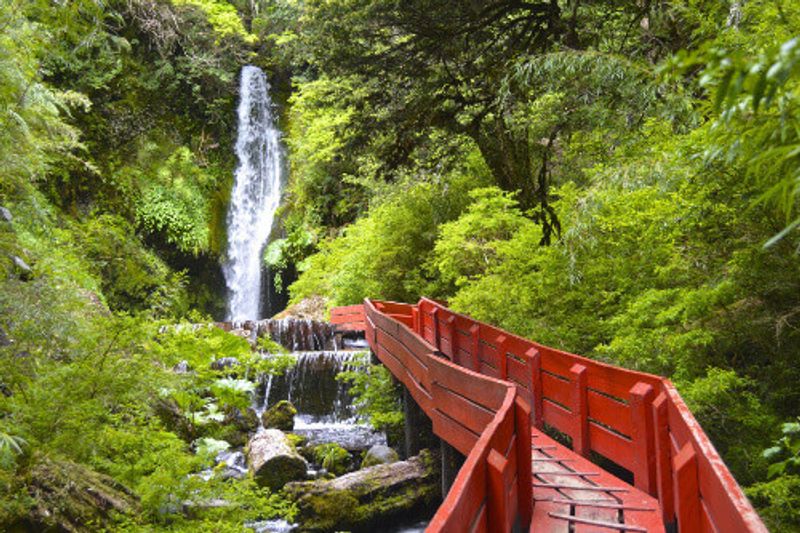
[435,316]
[415,320]
[522,413]
[580,412]
[498,504]
[644,459]
[502,356]
[687,497]
[535,363]
[475,336]
[666,496]
[451,334]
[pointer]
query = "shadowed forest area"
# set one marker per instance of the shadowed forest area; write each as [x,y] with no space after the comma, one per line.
[615,178]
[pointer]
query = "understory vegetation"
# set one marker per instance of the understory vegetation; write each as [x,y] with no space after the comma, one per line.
[615,178]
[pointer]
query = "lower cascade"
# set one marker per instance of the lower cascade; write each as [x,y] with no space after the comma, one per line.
[303,435]
[325,412]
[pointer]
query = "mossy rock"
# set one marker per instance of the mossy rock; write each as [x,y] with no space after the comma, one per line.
[280,416]
[71,497]
[366,499]
[332,458]
[298,441]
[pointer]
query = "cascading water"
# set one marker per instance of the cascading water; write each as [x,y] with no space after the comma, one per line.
[255,195]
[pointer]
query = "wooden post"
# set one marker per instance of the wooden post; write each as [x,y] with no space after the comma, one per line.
[535,365]
[497,497]
[687,492]
[475,350]
[417,430]
[415,321]
[666,496]
[451,333]
[580,410]
[435,316]
[502,352]
[644,457]
[522,413]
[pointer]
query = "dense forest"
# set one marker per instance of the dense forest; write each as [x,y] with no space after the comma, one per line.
[616,178]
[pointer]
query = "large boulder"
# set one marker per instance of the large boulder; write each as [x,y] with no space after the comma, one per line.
[280,416]
[366,499]
[379,455]
[273,460]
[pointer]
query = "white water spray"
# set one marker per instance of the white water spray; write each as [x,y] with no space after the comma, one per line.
[255,195]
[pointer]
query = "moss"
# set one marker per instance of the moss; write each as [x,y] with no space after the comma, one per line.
[280,416]
[71,497]
[296,440]
[367,505]
[281,471]
[332,458]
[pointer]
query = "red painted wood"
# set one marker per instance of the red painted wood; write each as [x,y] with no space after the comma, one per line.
[450,329]
[522,414]
[558,390]
[536,385]
[475,346]
[580,410]
[556,416]
[463,410]
[502,356]
[518,372]
[610,410]
[457,435]
[435,326]
[643,437]
[663,459]
[611,445]
[498,470]
[484,391]
[687,491]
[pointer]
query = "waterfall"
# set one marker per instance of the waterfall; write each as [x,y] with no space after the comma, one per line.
[255,195]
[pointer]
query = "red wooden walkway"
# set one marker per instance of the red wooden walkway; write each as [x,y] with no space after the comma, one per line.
[490,394]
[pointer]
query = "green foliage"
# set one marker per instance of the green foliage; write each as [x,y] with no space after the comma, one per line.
[375,396]
[785,454]
[383,255]
[778,502]
[738,429]
[332,458]
[175,202]
[467,247]
[222,16]
[10,447]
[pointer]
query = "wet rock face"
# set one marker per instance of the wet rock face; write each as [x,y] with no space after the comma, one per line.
[379,455]
[363,500]
[294,334]
[273,460]
[280,416]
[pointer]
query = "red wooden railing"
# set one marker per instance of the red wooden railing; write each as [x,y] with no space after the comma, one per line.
[477,383]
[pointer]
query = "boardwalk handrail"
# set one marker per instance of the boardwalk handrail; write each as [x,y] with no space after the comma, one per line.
[636,420]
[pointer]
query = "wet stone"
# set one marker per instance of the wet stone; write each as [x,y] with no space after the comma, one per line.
[280,416]
[379,455]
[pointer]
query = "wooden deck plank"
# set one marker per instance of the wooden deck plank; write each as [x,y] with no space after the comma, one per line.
[556,464]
